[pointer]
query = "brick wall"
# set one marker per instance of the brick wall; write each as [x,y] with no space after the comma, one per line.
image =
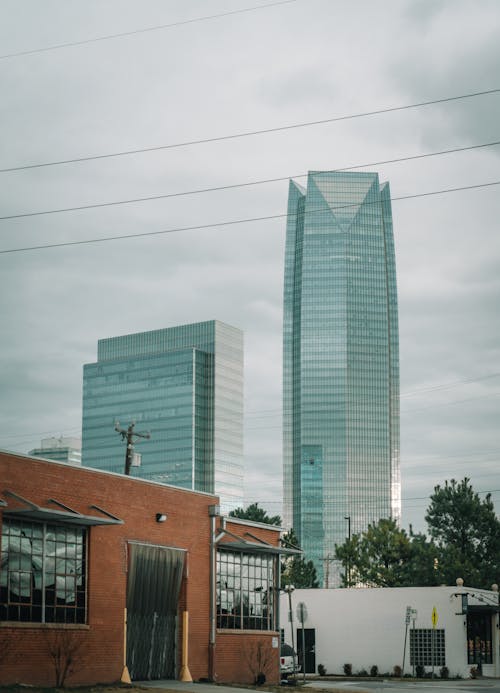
[136,502]
[240,656]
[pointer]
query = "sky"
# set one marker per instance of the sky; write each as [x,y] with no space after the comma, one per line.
[187,71]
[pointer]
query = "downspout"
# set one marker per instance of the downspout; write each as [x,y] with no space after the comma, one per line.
[213,512]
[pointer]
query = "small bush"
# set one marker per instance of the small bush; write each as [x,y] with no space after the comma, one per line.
[321,670]
[66,649]
[474,672]
[362,672]
[420,671]
[374,670]
[348,669]
[397,671]
[444,673]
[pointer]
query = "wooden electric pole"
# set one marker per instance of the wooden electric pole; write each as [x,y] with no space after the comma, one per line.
[128,434]
[329,558]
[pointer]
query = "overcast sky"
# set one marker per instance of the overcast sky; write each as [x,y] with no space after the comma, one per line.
[289,63]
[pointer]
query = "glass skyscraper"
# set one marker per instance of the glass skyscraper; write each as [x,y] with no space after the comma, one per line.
[183,384]
[340,363]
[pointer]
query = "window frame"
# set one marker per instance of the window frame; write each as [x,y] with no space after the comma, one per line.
[43,572]
[422,649]
[248,600]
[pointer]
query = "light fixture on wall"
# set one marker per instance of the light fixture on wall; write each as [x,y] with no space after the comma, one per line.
[161,517]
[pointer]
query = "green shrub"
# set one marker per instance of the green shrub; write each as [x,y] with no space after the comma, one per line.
[321,670]
[397,671]
[444,673]
[374,670]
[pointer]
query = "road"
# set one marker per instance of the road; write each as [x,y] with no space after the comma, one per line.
[381,686]
[410,686]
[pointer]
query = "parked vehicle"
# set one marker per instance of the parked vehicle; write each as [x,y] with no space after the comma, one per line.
[289,662]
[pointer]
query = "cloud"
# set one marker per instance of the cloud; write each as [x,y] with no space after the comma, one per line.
[257,70]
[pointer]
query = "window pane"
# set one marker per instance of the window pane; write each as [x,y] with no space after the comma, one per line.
[245,591]
[42,564]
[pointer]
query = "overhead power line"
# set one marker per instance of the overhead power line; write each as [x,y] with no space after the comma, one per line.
[251,133]
[272,501]
[446,386]
[158,27]
[271,413]
[233,186]
[403,413]
[233,222]
[76,432]
[446,404]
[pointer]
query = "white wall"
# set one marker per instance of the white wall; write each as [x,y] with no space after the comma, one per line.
[365,627]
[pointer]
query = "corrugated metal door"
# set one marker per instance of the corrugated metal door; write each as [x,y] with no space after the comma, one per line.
[154,580]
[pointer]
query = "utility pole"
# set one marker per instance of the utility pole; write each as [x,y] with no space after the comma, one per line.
[327,560]
[128,435]
[289,589]
[348,518]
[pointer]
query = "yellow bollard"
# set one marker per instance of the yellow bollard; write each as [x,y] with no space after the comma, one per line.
[185,674]
[125,675]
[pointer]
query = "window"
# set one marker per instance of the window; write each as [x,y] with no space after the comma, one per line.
[427,647]
[42,572]
[245,590]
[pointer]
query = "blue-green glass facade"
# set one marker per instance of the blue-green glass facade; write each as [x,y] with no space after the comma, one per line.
[340,361]
[183,384]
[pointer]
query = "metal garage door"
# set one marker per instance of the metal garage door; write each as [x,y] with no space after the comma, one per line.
[154,580]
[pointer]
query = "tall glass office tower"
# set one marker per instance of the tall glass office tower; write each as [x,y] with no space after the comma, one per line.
[340,363]
[185,385]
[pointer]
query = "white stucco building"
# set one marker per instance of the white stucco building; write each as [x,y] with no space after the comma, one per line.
[456,627]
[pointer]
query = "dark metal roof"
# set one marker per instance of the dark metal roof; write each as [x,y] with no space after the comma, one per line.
[483,608]
[253,547]
[258,546]
[33,511]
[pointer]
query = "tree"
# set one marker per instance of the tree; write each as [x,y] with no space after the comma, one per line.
[467,533]
[256,514]
[464,542]
[377,557]
[295,570]
[424,561]
[386,556]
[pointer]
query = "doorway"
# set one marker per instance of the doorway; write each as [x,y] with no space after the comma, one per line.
[154,581]
[310,650]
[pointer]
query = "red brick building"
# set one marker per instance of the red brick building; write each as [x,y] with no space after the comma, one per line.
[134,577]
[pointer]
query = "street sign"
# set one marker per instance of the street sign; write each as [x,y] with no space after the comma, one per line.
[408,614]
[301,612]
[434,617]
